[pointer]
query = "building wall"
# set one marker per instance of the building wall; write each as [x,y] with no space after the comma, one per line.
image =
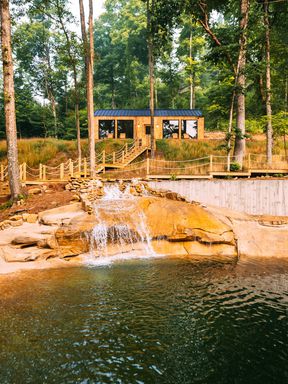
[141,121]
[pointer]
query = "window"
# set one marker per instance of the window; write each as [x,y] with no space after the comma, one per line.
[189,129]
[148,129]
[170,128]
[106,129]
[125,129]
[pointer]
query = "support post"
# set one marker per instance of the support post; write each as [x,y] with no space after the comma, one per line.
[24,170]
[211,163]
[61,171]
[249,161]
[148,166]
[20,171]
[85,167]
[40,172]
[126,148]
[44,172]
[2,172]
[103,156]
[123,155]
[114,157]
[71,168]
[79,165]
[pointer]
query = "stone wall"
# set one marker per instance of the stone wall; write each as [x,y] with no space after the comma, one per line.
[251,196]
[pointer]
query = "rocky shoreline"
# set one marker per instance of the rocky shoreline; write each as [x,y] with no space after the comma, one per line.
[176,227]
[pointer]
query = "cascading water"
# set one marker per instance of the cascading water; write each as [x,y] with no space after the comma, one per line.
[120,224]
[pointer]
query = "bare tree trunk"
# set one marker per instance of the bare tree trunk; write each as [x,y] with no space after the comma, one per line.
[230,126]
[240,144]
[191,72]
[156,92]
[50,91]
[89,58]
[269,129]
[113,102]
[151,73]
[76,90]
[9,101]
[54,113]
[286,109]
[90,87]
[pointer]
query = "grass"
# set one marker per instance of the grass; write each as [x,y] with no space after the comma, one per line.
[187,150]
[52,152]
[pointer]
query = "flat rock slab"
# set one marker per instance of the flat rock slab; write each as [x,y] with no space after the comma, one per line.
[60,216]
[258,240]
[10,254]
[34,230]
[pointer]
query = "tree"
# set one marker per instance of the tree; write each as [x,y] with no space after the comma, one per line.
[269,129]
[9,101]
[151,63]
[89,60]
[70,45]
[239,148]
[161,17]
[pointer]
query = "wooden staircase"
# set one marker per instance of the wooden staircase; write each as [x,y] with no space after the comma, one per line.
[124,157]
[128,157]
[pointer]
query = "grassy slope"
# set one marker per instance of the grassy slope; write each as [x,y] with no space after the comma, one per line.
[52,152]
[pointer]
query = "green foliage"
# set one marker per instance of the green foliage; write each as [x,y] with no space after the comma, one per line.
[6,205]
[44,63]
[234,167]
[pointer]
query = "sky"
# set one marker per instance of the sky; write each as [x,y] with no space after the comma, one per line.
[97,7]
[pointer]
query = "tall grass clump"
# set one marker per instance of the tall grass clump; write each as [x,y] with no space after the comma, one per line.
[178,150]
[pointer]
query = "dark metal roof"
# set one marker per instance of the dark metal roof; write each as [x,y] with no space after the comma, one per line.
[146,112]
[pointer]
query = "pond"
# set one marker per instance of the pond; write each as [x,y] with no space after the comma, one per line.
[146,321]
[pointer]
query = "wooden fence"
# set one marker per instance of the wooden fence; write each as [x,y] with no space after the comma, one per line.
[205,167]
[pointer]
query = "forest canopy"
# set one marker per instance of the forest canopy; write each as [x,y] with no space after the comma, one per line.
[194,66]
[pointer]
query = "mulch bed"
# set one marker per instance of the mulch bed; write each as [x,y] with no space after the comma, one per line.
[40,202]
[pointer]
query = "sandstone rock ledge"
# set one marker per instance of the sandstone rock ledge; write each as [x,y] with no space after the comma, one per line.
[175,227]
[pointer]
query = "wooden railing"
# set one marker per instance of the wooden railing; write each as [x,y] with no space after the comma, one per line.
[208,166]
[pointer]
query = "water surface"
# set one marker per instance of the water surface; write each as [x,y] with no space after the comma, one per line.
[146,321]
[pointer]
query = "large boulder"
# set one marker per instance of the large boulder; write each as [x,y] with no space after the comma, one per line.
[61,215]
[174,227]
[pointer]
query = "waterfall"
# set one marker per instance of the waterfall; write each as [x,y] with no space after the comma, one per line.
[120,224]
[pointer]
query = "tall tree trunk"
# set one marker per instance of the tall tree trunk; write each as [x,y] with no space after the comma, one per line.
[285,109]
[156,92]
[54,113]
[77,117]
[191,71]
[230,127]
[113,96]
[76,90]
[90,87]
[240,144]
[50,91]
[269,129]
[9,101]
[89,57]
[150,8]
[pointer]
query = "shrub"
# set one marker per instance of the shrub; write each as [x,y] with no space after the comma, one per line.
[234,167]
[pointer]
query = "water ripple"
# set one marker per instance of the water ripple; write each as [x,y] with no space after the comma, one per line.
[149,321]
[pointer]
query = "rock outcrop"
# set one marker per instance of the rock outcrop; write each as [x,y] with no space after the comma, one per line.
[138,216]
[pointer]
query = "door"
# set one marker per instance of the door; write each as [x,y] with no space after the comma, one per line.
[148,135]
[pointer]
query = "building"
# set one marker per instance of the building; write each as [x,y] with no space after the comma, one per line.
[135,124]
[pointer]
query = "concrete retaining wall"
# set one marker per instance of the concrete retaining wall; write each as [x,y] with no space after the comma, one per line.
[250,196]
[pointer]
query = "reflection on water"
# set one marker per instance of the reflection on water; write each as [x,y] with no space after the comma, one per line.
[148,321]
